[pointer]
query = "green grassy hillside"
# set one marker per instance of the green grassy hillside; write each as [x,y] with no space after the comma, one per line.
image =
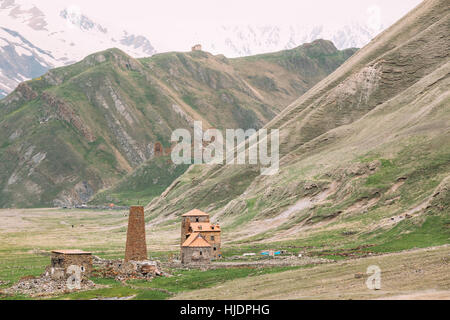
[83,128]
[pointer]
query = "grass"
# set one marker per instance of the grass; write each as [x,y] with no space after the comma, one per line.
[162,288]
[18,259]
[183,280]
[244,217]
[433,231]
[147,182]
[416,273]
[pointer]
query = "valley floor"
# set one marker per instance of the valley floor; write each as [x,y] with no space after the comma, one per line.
[415,274]
[27,236]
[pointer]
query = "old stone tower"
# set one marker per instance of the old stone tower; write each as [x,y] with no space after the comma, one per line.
[136,248]
[194,216]
[197,47]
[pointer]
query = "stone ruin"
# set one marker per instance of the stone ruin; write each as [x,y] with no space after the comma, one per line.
[47,285]
[136,264]
[197,47]
[70,270]
[121,270]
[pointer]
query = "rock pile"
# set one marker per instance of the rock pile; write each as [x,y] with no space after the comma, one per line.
[45,285]
[123,271]
[3,283]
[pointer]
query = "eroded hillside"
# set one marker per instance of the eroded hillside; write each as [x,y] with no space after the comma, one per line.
[82,128]
[365,153]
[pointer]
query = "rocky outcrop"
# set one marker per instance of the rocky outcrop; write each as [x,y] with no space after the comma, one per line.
[81,193]
[25,91]
[66,113]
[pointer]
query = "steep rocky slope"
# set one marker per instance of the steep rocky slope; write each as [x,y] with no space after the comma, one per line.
[364,154]
[81,128]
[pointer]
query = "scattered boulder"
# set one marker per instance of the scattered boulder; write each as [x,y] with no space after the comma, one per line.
[311,186]
[46,285]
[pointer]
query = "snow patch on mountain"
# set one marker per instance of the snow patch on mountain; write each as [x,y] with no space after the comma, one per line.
[34,39]
[245,40]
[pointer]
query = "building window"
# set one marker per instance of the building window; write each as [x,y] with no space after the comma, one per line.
[212,238]
[215,249]
[201,253]
[196,220]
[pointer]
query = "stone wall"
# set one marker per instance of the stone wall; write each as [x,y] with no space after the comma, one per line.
[63,261]
[195,255]
[121,271]
[214,240]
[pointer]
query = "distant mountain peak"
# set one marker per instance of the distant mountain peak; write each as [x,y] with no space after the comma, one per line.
[75,18]
[33,40]
[246,40]
[32,16]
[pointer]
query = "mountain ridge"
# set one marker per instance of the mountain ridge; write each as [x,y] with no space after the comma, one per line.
[347,154]
[30,37]
[103,116]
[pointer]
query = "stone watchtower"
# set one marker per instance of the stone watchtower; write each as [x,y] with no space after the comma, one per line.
[197,47]
[136,249]
[194,216]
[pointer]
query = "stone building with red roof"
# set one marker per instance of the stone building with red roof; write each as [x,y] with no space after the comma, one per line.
[196,225]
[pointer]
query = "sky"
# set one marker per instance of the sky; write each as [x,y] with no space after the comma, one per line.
[165,12]
[178,18]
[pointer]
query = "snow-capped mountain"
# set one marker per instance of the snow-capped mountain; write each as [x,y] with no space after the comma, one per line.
[34,39]
[237,41]
[20,60]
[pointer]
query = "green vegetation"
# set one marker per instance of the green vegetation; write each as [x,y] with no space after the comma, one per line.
[96,121]
[195,279]
[364,156]
[147,182]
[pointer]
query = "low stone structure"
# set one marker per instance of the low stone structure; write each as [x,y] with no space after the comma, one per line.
[68,271]
[63,259]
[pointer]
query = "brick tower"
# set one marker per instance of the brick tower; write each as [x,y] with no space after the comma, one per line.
[136,249]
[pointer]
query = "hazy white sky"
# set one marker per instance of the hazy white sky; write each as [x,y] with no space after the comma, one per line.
[164,12]
[177,18]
